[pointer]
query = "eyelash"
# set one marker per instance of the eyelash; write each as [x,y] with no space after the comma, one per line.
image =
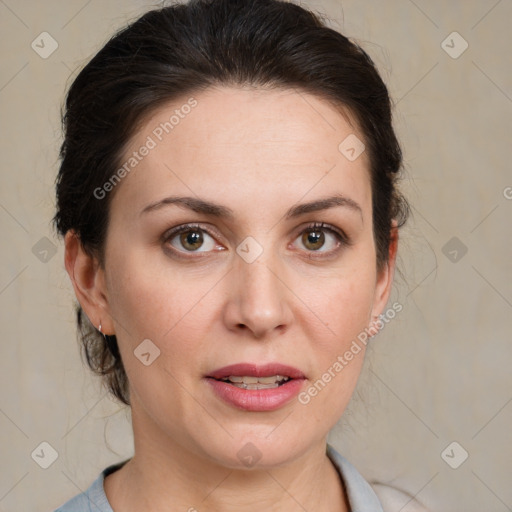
[342,238]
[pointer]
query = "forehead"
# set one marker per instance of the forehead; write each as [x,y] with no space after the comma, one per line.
[253,117]
[244,142]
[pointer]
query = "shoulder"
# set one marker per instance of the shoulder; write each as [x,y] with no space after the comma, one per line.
[359,493]
[93,499]
[393,499]
[376,496]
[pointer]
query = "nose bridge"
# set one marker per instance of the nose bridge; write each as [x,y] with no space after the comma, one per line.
[260,296]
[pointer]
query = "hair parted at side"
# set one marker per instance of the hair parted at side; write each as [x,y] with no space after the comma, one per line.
[177,50]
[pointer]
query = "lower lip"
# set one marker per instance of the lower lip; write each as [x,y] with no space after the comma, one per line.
[256,399]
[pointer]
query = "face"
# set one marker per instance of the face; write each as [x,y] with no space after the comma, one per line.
[255,280]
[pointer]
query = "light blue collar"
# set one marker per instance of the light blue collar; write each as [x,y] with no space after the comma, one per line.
[360,495]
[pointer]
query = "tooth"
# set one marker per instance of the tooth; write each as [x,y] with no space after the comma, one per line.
[250,380]
[247,380]
[269,380]
[258,386]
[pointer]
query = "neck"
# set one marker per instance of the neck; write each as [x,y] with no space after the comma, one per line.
[164,473]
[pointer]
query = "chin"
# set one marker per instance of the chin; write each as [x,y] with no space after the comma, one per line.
[257,450]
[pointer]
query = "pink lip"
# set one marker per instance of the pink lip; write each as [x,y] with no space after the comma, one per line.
[256,400]
[254,370]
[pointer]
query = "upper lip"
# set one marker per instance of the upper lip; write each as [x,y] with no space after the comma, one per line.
[256,370]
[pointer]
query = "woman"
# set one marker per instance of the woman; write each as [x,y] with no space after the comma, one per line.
[228,200]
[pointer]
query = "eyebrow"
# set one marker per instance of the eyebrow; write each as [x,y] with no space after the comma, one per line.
[216,210]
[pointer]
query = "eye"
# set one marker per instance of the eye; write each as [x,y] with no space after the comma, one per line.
[314,238]
[190,238]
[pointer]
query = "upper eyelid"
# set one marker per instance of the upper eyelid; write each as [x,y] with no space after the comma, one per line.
[171,232]
[328,227]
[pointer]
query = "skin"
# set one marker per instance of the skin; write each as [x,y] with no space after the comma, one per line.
[258,152]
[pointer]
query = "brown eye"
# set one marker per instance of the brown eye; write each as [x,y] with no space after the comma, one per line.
[189,239]
[319,236]
[313,239]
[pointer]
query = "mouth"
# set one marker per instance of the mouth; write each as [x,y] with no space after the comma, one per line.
[254,377]
[249,382]
[256,388]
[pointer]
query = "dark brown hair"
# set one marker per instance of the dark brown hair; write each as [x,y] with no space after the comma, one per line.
[185,48]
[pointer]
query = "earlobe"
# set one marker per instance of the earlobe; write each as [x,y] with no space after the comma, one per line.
[88,279]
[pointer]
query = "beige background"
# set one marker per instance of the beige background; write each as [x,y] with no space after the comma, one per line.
[438,373]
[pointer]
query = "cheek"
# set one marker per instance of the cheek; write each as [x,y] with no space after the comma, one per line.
[350,307]
[167,306]
[342,301]
[345,313]
[338,343]
[169,311]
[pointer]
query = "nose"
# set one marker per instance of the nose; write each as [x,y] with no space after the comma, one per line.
[258,298]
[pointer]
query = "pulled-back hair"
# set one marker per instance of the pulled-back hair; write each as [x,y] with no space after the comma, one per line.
[182,49]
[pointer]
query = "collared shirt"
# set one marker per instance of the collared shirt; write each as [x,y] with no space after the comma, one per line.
[361,497]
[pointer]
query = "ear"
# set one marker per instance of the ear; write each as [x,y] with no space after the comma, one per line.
[88,280]
[386,274]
